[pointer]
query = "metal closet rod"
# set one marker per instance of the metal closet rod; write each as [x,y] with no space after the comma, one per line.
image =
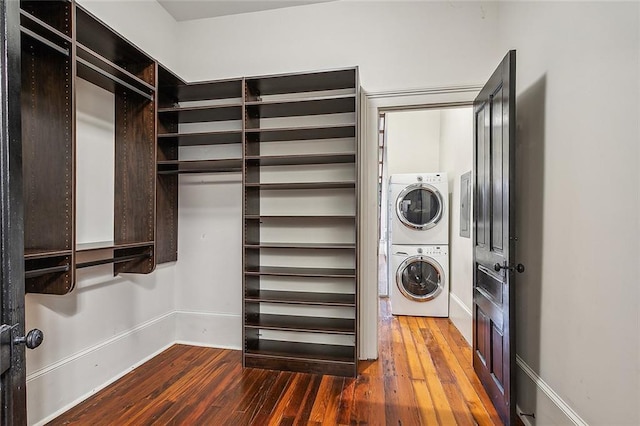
[118,259]
[113,78]
[44,271]
[44,41]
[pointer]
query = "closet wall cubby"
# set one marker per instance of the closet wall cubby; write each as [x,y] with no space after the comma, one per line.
[62,42]
[199,131]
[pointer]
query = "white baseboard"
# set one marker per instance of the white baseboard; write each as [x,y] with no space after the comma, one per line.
[209,329]
[461,316]
[545,403]
[56,388]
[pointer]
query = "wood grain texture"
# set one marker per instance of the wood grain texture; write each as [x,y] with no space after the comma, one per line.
[424,376]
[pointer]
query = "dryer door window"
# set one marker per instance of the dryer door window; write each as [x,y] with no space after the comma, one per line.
[419,206]
[419,278]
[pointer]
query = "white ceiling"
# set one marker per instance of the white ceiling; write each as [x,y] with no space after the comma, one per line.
[185,10]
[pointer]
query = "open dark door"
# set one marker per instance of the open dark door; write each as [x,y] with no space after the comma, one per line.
[494,352]
[13,408]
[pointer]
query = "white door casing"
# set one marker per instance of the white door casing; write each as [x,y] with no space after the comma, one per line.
[371,104]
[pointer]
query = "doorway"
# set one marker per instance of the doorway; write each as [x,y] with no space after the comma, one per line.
[429,140]
[372,105]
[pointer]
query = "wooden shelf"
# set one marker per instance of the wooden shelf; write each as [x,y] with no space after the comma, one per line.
[301,272]
[98,37]
[290,160]
[302,185]
[200,166]
[29,21]
[210,90]
[115,70]
[53,15]
[300,217]
[30,254]
[303,107]
[200,114]
[302,298]
[305,82]
[301,133]
[305,246]
[302,351]
[300,323]
[204,138]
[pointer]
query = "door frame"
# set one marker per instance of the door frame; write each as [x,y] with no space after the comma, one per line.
[13,381]
[371,104]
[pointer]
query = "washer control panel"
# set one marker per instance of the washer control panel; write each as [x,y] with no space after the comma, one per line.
[431,178]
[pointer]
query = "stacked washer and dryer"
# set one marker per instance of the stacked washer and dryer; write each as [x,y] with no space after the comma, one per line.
[419,244]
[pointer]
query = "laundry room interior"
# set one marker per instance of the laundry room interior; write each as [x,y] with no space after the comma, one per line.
[238,212]
[427,143]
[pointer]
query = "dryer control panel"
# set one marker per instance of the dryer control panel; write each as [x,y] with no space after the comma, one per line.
[432,178]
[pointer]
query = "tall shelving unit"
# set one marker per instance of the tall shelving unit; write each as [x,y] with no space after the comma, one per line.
[62,42]
[300,214]
[47,114]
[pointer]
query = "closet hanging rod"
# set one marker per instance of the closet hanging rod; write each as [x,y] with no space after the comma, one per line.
[44,271]
[203,171]
[44,41]
[118,259]
[113,78]
[42,24]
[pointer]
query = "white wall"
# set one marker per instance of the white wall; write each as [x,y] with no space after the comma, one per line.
[413,141]
[396,44]
[456,158]
[577,192]
[107,324]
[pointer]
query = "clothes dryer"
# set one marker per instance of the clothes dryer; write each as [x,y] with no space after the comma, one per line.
[420,284]
[419,208]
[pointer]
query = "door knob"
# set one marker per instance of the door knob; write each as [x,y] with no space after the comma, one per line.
[518,268]
[32,340]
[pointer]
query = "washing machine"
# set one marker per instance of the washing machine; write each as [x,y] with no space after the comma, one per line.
[420,284]
[419,208]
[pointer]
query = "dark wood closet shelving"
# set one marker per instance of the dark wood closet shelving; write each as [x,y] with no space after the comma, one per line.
[301,272]
[174,95]
[200,166]
[301,297]
[301,133]
[158,115]
[309,246]
[303,357]
[96,36]
[202,138]
[300,323]
[301,159]
[103,58]
[322,96]
[199,114]
[295,108]
[301,185]
[299,217]
[301,83]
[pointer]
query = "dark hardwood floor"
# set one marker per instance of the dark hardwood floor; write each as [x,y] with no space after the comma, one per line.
[424,376]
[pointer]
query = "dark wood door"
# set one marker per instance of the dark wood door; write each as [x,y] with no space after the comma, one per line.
[494,269]
[13,408]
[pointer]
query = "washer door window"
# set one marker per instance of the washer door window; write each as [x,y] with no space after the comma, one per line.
[419,278]
[419,206]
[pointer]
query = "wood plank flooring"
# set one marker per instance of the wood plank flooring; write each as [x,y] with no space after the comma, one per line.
[424,376]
